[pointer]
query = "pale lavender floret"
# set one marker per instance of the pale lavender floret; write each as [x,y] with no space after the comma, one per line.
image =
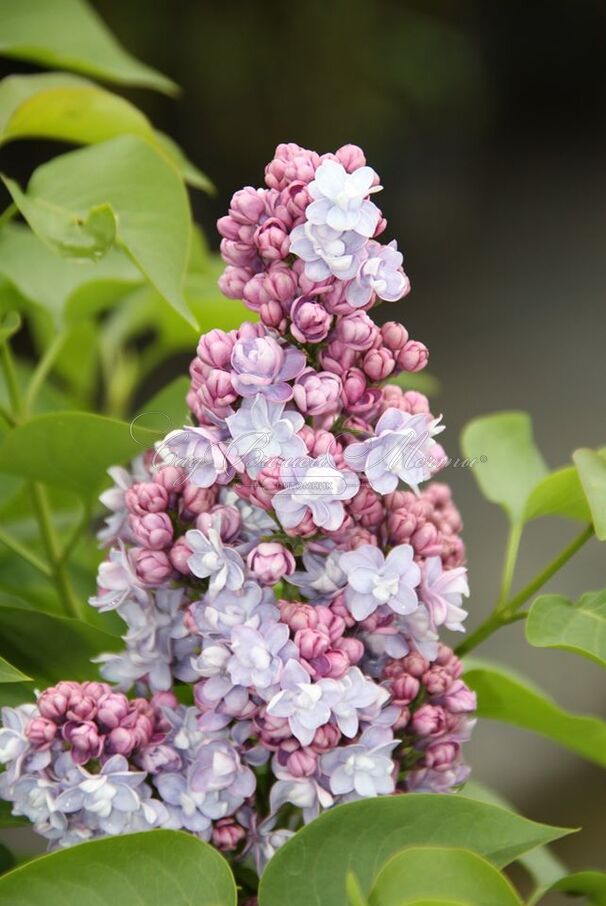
[340,198]
[419,629]
[253,520]
[316,485]
[305,793]
[118,581]
[400,451]
[259,656]
[380,275]
[351,695]
[211,559]
[364,769]
[156,641]
[185,806]
[218,768]
[262,365]
[200,452]
[429,780]
[327,252]
[261,430]
[249,606]
[322,577]
[263,839]
[301,701]
[375,580]
[442,591]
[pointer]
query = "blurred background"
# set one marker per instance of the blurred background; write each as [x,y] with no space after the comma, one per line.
[486,123]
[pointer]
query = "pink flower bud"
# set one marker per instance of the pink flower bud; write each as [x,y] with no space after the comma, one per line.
[367,507]
[272,315]
[146,497]
[413,357]
[378,364]
[351,157]
[440,755]
[226,517]
[291,163]
[227,834]
[415,664]
[426,541]
[215,348]
[270,561]
[357,331]
[233,280]
[310,320]
[325,739]
[298,616]
[312,643]
[53,702]
[302,763]
[247,205]
[272,240]
[459,698]
[112,709]
[354,386]
[41,732]
[239,254]
[195,500]
[121,742]
[171,478]
[405,689]
[316,392]
[337,357]
[154,530]
[429,720]
[353,649]
[179,555]
[84,739]
[152,567]
[394,336]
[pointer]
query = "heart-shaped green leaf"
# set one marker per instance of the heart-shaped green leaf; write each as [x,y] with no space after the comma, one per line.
[507,462]
[555,622]
[506,697]
[120,190]
[311,868]
[68,34]
[156,868]
[440,873]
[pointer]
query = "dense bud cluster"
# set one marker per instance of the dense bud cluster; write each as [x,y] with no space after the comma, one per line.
[275,560]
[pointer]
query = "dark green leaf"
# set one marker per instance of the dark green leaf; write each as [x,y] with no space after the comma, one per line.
[68,34]
[508,698]
[10,674]
[512,464]
[311,868]
[156,868]
[436,873]
[167,410]
[555,622]
[592,473]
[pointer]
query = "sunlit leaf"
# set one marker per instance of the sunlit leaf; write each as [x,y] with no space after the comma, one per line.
[555,622]
[120,191]
[506,697]
[68,34]
[558,494]
[10,674]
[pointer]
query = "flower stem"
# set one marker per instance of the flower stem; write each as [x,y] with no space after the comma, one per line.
[509,611]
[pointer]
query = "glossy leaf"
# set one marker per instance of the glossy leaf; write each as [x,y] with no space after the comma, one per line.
[71,449]
[121,191]
[10,674]
[506,697]
[155,868]
[51,648]
[555,622]
[71,109]
[558,494]
[433,873]
[50,281]
[513,464]
[68,34]
[311,868]
[592,473]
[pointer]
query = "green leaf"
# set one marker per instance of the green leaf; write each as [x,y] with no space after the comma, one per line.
[558,494]
[10,674]
[355,897]
[589,884]
[7,860]
[592,473]
[10,324]
[555,622]
[71,109]
[512,464]
[432,872]
[155,868]
[120,190]
[505,697]
[311,868]
[71,449]
[68,34]
[51,648]
[50,281]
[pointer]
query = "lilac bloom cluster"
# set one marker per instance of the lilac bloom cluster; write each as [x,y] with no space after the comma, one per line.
[275,560]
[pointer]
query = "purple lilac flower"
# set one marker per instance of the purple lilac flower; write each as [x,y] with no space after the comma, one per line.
[212,560]
[316,486]
[301,701]
[374,580]
[380,275]
[327,252]
[340,199]
[261,430]
[200,452]
[261,365]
